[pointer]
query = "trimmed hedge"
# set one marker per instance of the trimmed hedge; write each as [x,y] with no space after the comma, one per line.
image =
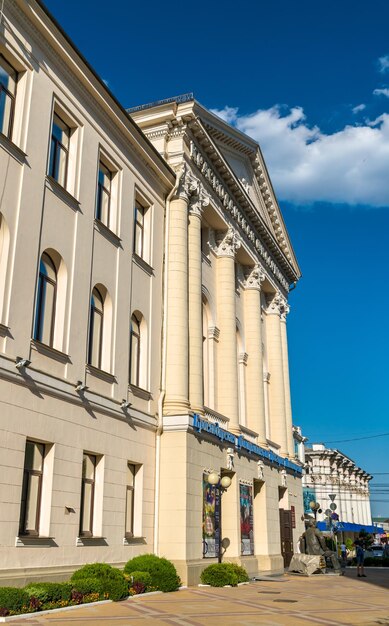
[240,571]
[139,577]
[112,580]
[49,592]
[13,600]
[163,573]
[219,575]
[86,586]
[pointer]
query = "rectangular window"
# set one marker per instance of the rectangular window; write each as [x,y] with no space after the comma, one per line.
[8,80]
[103,202]
[87,495]
[59,151]
[130,502]
[139,221]
[32,488]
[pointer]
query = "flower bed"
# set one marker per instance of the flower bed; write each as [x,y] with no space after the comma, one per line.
[94,582]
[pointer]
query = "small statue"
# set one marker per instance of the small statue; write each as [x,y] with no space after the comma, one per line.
[260,466]
[230,458]
[313,542]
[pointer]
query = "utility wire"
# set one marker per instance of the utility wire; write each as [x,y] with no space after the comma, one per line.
[359,438]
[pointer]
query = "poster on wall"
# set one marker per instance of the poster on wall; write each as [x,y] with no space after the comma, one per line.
[308,496]
[211,519]
[246,519]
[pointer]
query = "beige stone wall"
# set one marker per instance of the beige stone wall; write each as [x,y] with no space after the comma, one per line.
[40,403]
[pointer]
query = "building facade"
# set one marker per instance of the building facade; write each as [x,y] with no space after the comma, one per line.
[144,375]
[81,240]
[332,478]
[225,382]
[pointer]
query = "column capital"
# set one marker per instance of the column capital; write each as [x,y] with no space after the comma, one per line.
[198,201]
[254,278]
[278,305]
[188,184]
[227,244]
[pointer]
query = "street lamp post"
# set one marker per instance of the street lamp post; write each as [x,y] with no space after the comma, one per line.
[222,483]
[315,508]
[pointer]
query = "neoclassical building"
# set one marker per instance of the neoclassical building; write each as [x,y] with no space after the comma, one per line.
[226,406]
[332,478]
[82,207]
[144,277]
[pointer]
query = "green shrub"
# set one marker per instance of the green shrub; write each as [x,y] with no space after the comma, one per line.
[49,592]
[140,577]
[218,575]
[88,586]
[240,571]
[13,600]
[163,573]
[114,583]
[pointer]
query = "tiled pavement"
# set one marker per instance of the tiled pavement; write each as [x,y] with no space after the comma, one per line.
[329,601]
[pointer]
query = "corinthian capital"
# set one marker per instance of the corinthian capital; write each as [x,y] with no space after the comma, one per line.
[275,304]
[198,201]
[255,278]
[188,184]
[284,310]
[229,244]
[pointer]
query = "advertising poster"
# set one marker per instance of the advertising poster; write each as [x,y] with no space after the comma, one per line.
[246,519]
[308,496]
[211,519]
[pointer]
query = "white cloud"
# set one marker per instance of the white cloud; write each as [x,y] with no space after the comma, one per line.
[358,108]
[349,166]
[381,92]
[383,63]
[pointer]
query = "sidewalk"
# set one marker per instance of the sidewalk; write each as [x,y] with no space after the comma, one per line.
[329,601]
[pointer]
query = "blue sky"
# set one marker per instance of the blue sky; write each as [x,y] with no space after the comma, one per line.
[310,82]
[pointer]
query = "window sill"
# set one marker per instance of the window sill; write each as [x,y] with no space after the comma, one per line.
[142,264]
[4,331]
[42,348]
[62,193]
[104,230]
[34,540]
[99,373]
[12,149]
[91,541]
[130,541]
[140,393]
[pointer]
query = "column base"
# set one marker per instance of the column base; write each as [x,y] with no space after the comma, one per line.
[176,406]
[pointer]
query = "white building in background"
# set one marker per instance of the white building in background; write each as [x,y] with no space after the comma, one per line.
[332,478]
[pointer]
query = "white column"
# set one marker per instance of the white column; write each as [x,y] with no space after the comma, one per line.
[278,432]
[177,339]
[254,373]
[227,349]
[196,395]
[285,361]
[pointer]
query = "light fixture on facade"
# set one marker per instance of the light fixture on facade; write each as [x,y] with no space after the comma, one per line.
[80,386]
[125,404]
[213,478]
[20,362]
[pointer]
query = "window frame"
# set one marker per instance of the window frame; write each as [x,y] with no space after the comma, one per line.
[92,482]
[39,307]
[139,208]
[130,489]
[12,97]
[137,336]
[54,153]
[102,189]
[93,311]
[27,473]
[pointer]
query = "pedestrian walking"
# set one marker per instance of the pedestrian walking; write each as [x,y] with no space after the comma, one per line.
[360,554]
[343,552]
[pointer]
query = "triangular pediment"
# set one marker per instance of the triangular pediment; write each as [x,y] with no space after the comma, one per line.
[245,160]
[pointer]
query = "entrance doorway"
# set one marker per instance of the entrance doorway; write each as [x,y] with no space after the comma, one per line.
[286,533]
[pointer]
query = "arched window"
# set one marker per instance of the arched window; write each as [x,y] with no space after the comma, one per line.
[96,324]
[46,301]
[135,350]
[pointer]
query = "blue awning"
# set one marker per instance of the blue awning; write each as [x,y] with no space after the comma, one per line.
[353,528]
